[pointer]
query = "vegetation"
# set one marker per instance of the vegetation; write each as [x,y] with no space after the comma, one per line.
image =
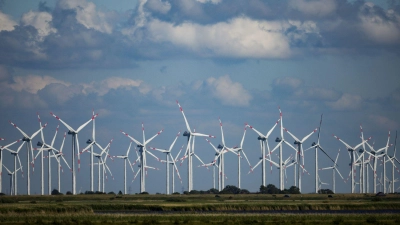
[183,209]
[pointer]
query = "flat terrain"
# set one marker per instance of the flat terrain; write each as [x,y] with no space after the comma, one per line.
[201,209]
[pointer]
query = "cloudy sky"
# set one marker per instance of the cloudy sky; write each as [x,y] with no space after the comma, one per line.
[238,60]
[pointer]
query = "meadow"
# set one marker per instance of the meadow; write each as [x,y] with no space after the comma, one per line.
[200,209]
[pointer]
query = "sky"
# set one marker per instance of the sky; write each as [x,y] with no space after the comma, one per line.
[237,60]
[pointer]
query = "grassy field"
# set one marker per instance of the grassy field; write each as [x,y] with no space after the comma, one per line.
[195,209]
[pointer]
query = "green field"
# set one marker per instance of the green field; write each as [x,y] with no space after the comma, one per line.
[196,209]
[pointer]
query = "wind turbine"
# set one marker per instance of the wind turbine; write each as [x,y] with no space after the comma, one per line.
[167,161]
[143,151]
[1,159]
[317,146]
[12,178]
[263,142]
[98,156]
[28,139]
[300,155]
[125,158]
[392,159]
[352,157]
[16,157]
[49,148]
[334,168]
[237,150]
[280,145]
[320,183]
[58,156]
[75,143]
[190,148]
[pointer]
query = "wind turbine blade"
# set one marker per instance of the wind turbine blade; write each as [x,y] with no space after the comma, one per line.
[294,137]
[23,133]
[357,146]
[337,156]
[129,149]
[184,117]
[7,169]
[54,138]
[79,155]
[306,137]
[275,164]
[325,153]
[133,139]
[339,173]
[173,143]
[176,158]
[216,150]
[130,164]
[258,132]
[244,134]
[148,141]
[319,128]
[136,174]
[6,146]
[85,124]
[222,132]
[37,132]
[244,154]
[347,145]
[198,158]
[158,159]
[65,124]
[20,165]
[251,170]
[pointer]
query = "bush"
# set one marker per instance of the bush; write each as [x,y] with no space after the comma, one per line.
[68,193]
[111,193]
[55,192]
[120,192]
[89,192]
[144,193]
[2,194]
[176,193]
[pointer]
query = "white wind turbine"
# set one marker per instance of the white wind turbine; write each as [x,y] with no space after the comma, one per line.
[299,156]
[263,142]
[58,155]
[190,148]
[375,155]
[317,146]
[49,148]
[105,166]
[28,140]
[334,168]
[280,145]
[167,161]
[320,183]
[12,178]
[392,159]
[16,157]
[352,157]
[100,160]
[75,145]
[143,151]
[1,159]
[125,158]
[237,150]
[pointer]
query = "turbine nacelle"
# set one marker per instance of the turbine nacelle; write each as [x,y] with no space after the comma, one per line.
[40,144]
[297,142]
[220,146]
[89,141]
[26,139]
[313,144]
[350,150]
[278,139]
[361,150]
[261,138]
[70,132]
[186,134]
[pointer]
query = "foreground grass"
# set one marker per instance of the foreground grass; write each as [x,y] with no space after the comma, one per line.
[199,219]
[82,209]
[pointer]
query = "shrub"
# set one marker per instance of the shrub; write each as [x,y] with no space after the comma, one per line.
[55,192]
[144,193]
[176,193]
[69,193]
[111,193]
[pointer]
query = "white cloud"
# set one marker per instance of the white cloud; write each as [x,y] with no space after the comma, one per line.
[212,1]
[6,23]
[159,6]
[40,20]
[87,15]
[32,83]
[104,86]
[378,29]
[346,102]
[318,8]
[384,122]
[287,82]
[228,92]
[239,37]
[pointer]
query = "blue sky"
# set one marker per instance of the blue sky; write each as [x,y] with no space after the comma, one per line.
[237,60]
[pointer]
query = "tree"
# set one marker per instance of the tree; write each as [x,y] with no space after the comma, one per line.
[120,192]
[269,189]
[68,193]
[213,191]
[230,189]
[294,190]
[325,191]
[244,191]
[55,192]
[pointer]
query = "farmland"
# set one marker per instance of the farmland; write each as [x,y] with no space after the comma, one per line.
[200,209]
